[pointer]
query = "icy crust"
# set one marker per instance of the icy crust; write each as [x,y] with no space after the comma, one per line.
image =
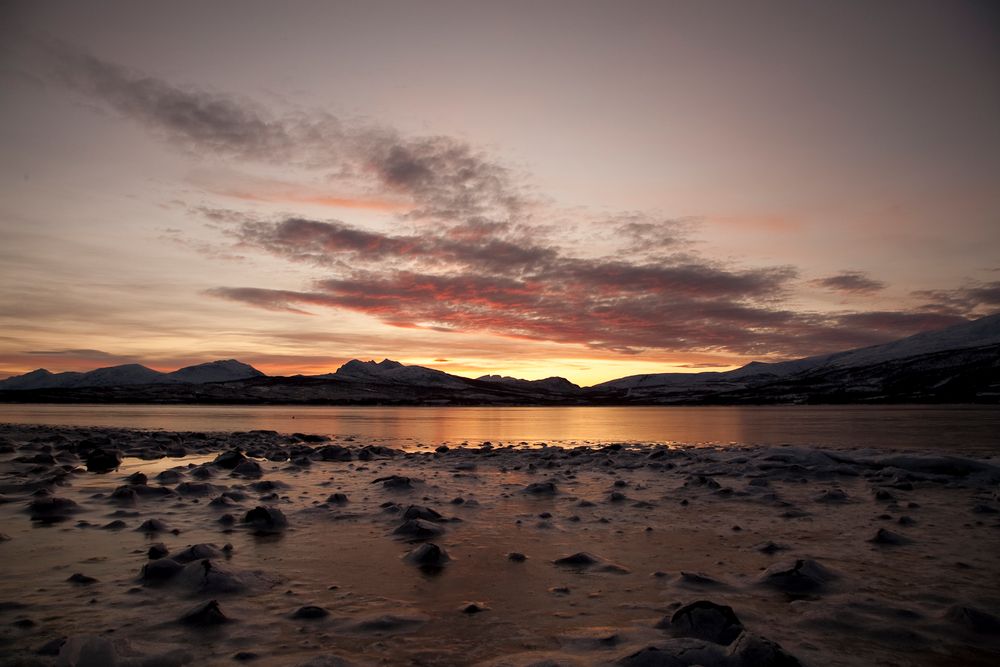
[125,547]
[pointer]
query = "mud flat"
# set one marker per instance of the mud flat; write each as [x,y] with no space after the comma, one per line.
[126,547]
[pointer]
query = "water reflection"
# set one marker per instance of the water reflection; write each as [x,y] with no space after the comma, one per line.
[933,427]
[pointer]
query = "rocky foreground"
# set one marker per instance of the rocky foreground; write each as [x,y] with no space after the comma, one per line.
[155,548]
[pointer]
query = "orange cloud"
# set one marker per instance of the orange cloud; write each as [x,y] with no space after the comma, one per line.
[315,198]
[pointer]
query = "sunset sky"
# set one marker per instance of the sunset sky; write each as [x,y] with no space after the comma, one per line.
[585,189]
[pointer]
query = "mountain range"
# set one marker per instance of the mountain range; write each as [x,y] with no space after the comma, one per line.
[957,364]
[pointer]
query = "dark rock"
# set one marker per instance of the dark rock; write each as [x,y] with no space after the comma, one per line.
[197,552]
[153,526]
[266,520]
[310,612]
[249,469]
[752,651]
[799,577]
[652,656]
[428,555]
[547,488]
[398,482]
[517,557]
[160,570]
[337,499]
[334,453]
[137,478]
[158,550]
[422,512]
[204,614]
[885,537]
[706,620]
[81,579]
[418,529]
[102,460]
[229,460]
[974,619]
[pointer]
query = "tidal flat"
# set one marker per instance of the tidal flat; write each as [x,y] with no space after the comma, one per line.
[149,547]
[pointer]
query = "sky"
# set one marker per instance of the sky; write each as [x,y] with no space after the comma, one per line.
[584,189]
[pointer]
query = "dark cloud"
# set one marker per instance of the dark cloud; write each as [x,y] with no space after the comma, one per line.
[445,178]
[491,281]
[482,266]
[79,353]
[972,297]
[850,282]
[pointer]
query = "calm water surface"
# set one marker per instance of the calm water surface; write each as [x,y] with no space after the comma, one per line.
[958,428]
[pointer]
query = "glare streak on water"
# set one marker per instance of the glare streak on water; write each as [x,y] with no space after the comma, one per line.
[955,428]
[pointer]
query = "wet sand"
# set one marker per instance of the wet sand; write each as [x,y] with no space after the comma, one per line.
[125,547]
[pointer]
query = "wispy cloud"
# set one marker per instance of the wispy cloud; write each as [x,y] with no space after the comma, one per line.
[850,282]
[489,262]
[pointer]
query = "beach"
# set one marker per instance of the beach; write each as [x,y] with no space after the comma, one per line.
[149,547]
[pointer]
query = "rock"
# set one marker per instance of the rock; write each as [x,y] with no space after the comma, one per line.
[197,552]
[579,559]
[832,496]
[204,614]
[651,656]
[698,579]
[752,651]
[137,479]
[117,524]
[81,579]
[334,453]
[160,570]
[885,537]
[397,482]
[103,461]
[517,557]
[547,488]
[428,555]
[706,620]
[266,520]
[158,550]
[387,623]
[249,469]
[974,619]
[169,477]
[51,508]
[310,612]
[421,512]
[229,460]
[418,529]
[337,499]
[474,608]
[799,577]
[153,526]
[770,548]
[196,489]
[584,560]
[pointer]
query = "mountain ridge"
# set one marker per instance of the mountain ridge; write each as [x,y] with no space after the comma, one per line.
[969,350]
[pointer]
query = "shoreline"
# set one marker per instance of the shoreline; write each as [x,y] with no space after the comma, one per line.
[838,557]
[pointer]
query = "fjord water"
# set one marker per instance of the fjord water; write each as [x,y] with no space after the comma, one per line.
[952,428]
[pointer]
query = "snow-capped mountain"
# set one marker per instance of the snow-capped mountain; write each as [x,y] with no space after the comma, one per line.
[388,371]
[131,375]
[977,333]
[226,370]
[555,384]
